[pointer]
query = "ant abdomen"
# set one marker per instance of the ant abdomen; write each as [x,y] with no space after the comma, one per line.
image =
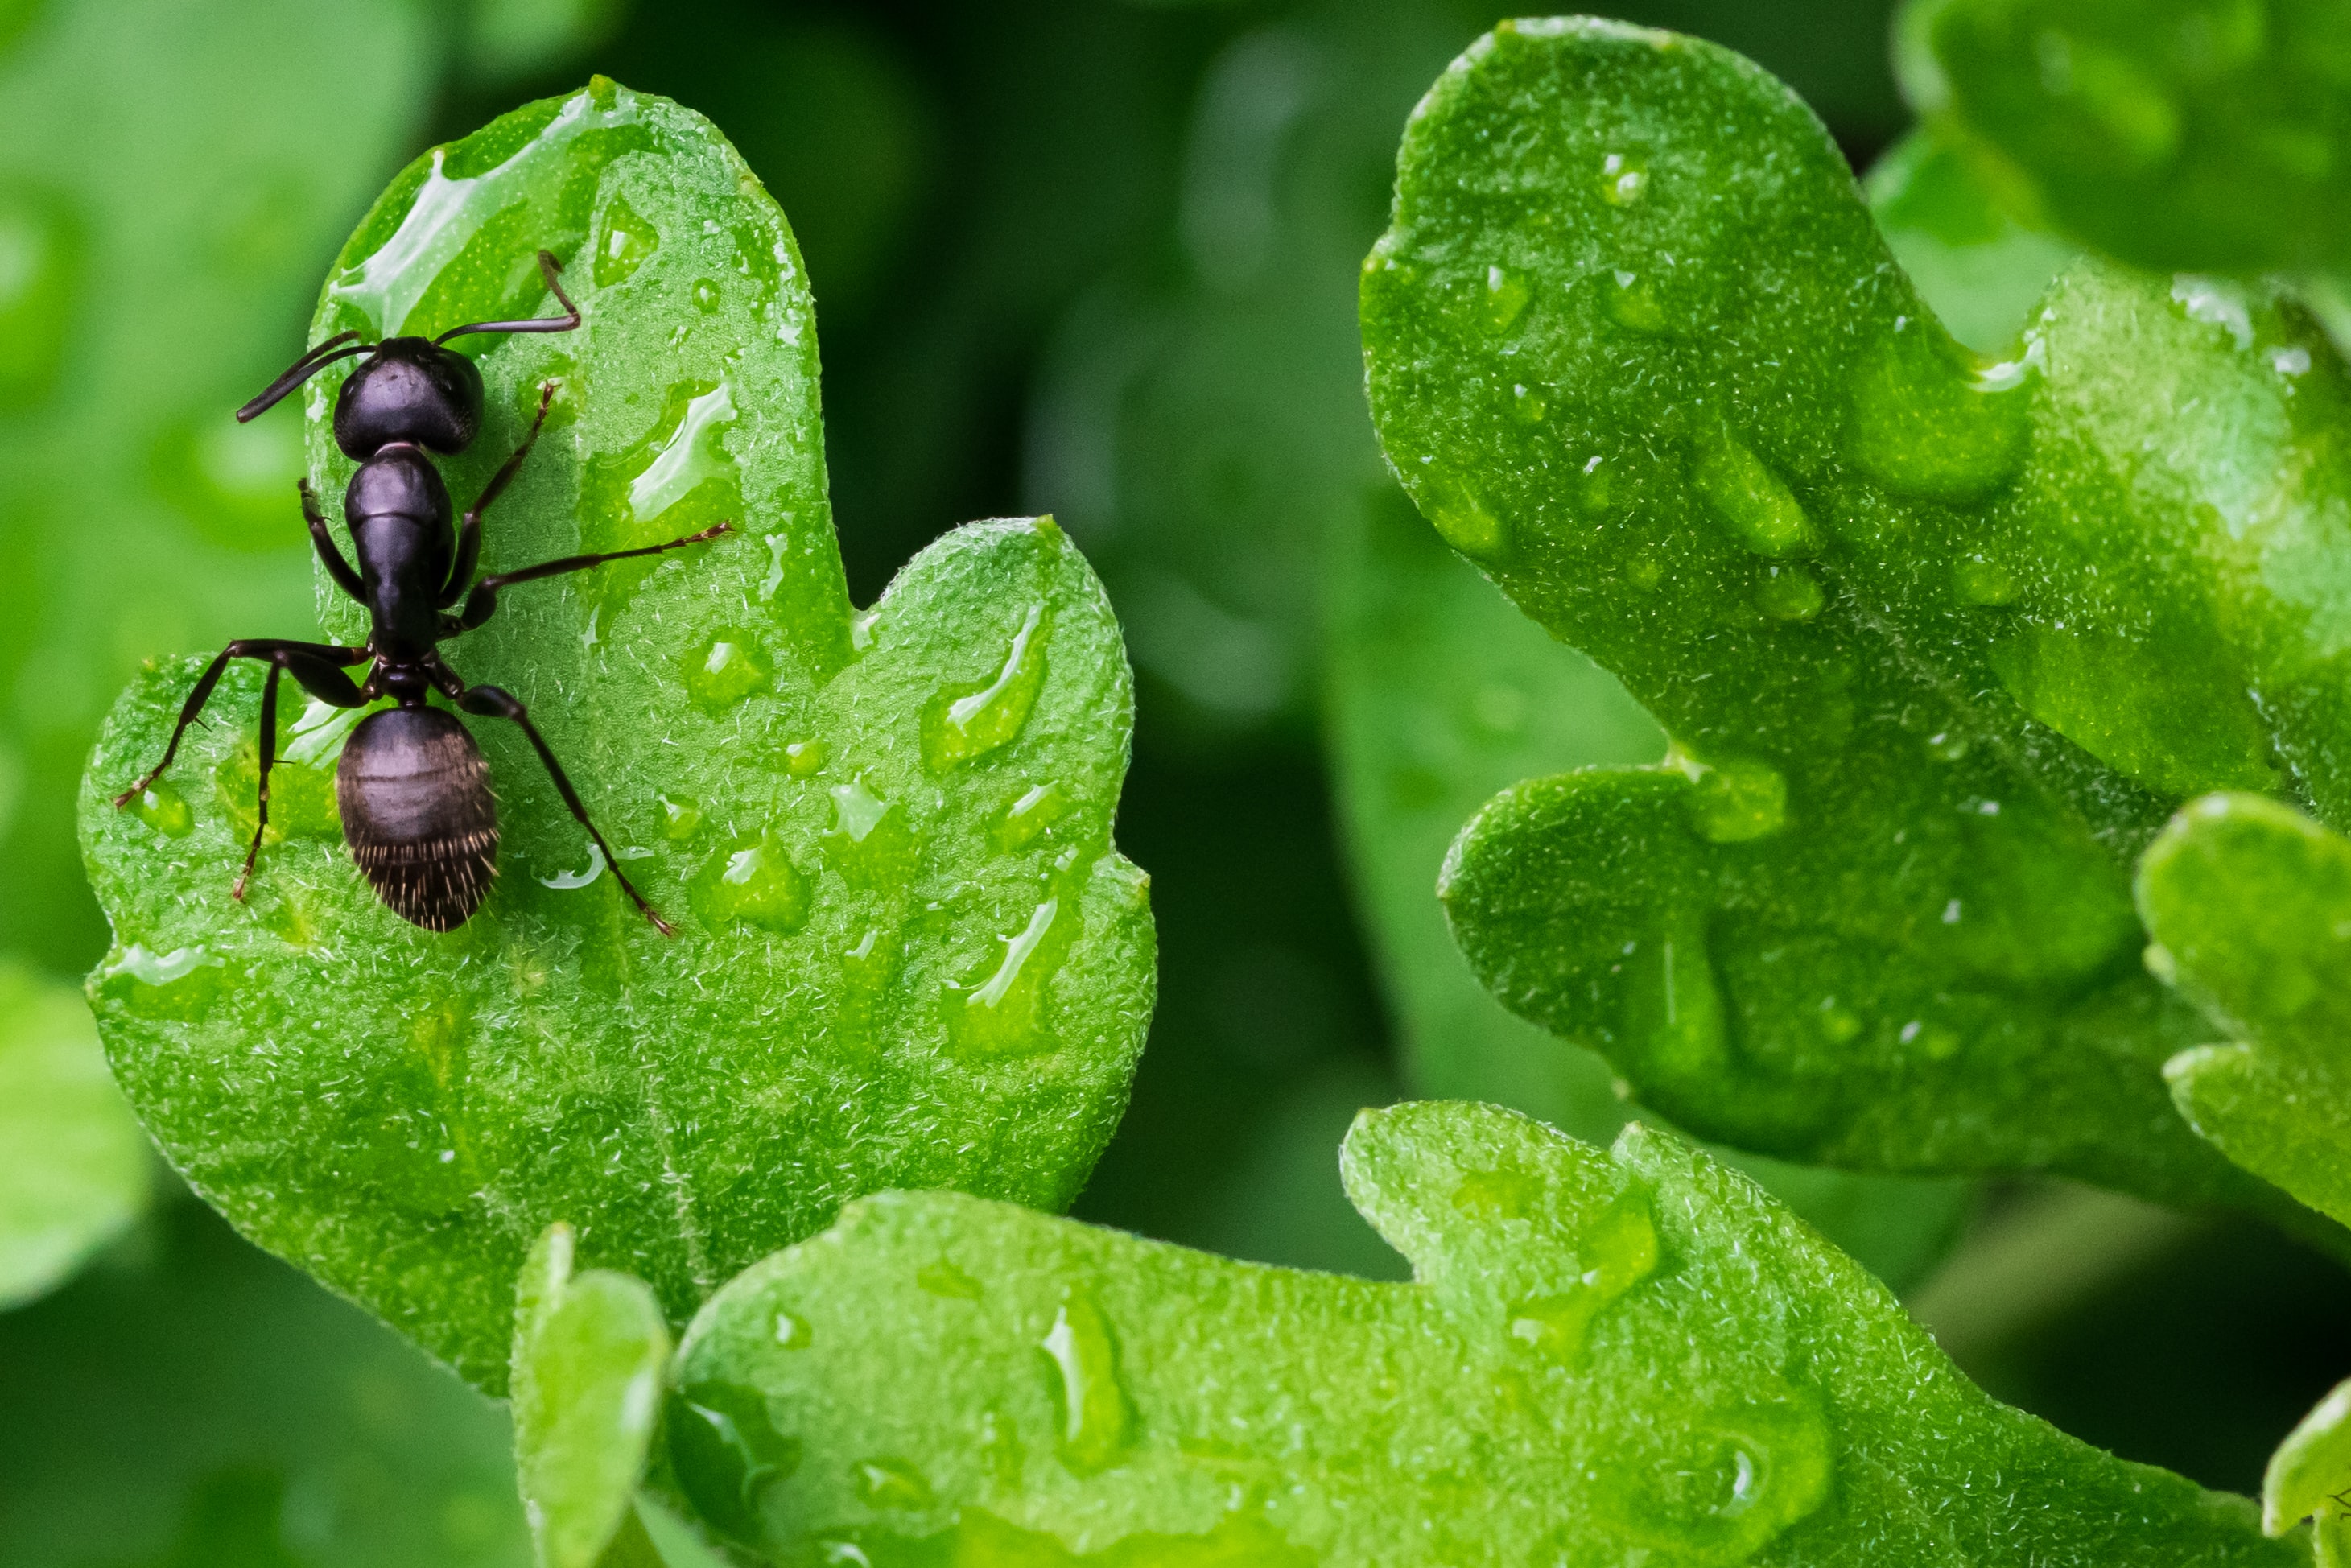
[418,814]
[409,388]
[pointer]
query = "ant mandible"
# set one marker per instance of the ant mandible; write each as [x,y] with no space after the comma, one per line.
[412,787]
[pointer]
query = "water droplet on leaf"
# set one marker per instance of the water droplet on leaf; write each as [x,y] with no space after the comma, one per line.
[1503,301]
[752,881]
[626,242]
[728,668]
[1789,593]
[967,721]
[726,1452]
[1093,1421]
[165,809]
[1741,489]
[1028,816]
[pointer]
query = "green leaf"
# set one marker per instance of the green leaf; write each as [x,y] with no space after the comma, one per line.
[164,236]
[1640,1357]
[1873,910]
[2250,906]
[74,1165]
[190,1402]
[2309,1475]
[1981,270]
[907,956]
[589,1353]
[2176,135]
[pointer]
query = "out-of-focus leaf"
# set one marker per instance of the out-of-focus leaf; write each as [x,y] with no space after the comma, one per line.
[74,1165]
[2250,906]
[2197,135]
[1640,1357]
[190,1402]
[2310,1476]
[1655,372]
[908,955]
[507,38]
[589,1353]
[172,179]
[1981,270]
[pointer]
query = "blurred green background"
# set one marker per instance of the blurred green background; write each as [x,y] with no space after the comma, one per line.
[1095,257]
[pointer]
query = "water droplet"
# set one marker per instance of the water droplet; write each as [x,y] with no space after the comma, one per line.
[890,1484]
[678,480]
[1028,816]
[2291,361]
[1673,1006]
[870,843]
[1735,799]
[805,758]
[680,815]
[564,881]
[1528,405]
[1459,516]
[792,1331]
[1946,746]
[181,985]
[40,272]
[1789,593]
[1981,582]
[943,1279]
[301,799]
[1503,301]
[1716,1486]
[706,295]
[1632,303]
[1931,1041]
[165,809]
[866,971]
[1746,495]
[1002,1011]
[1503,1194]
[752,881]
[462,249]
[726,1452]
[726,668]
[1931,422]
[1615,1252]
[626,242]
[1623,180]
[966,721]
[1093,1422]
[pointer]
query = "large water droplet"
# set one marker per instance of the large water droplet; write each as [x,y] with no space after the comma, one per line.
[1001,1012]
[890,1484]
[792,1331]
[943,1278]
[1093,1421]
[678,480]
[680,815]
[871,842]
[1503,300]
[1741,490]
[805,758]
[40,272]
[181,985]
[165,809]
[1458,514]
[726,669]
[967,721]
[706,296]
[1789,593]
[491,217]
[1623,179]
[1734,798]
[1029,815]
[1673,1009]
[626,241]
[1931,422]
[1716,1486]
[726,1452]
[752,881]
[1632,304]
[1613,1253]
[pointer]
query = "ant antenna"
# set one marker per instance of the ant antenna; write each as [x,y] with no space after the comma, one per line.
[564,323]
[312,361]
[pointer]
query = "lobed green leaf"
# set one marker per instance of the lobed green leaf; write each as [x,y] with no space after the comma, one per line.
[2249,903]
[1635,1356]
[2197,135]
[1938,643]
[908,954]
[2309,1476]
[589,1353]
[74,1165]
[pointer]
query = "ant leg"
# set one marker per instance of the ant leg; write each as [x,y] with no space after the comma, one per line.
[566,322]
[483,602]
[261,796]
[331,555]
[470,536]
[492,702]
[323,659]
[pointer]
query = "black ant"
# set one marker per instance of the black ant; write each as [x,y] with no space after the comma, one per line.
[412,787]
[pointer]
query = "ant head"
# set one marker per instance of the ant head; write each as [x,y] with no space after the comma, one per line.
[409,388]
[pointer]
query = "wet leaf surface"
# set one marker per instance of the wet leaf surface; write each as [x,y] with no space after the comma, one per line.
[1602,1357]
[1637,350]
[908,953]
